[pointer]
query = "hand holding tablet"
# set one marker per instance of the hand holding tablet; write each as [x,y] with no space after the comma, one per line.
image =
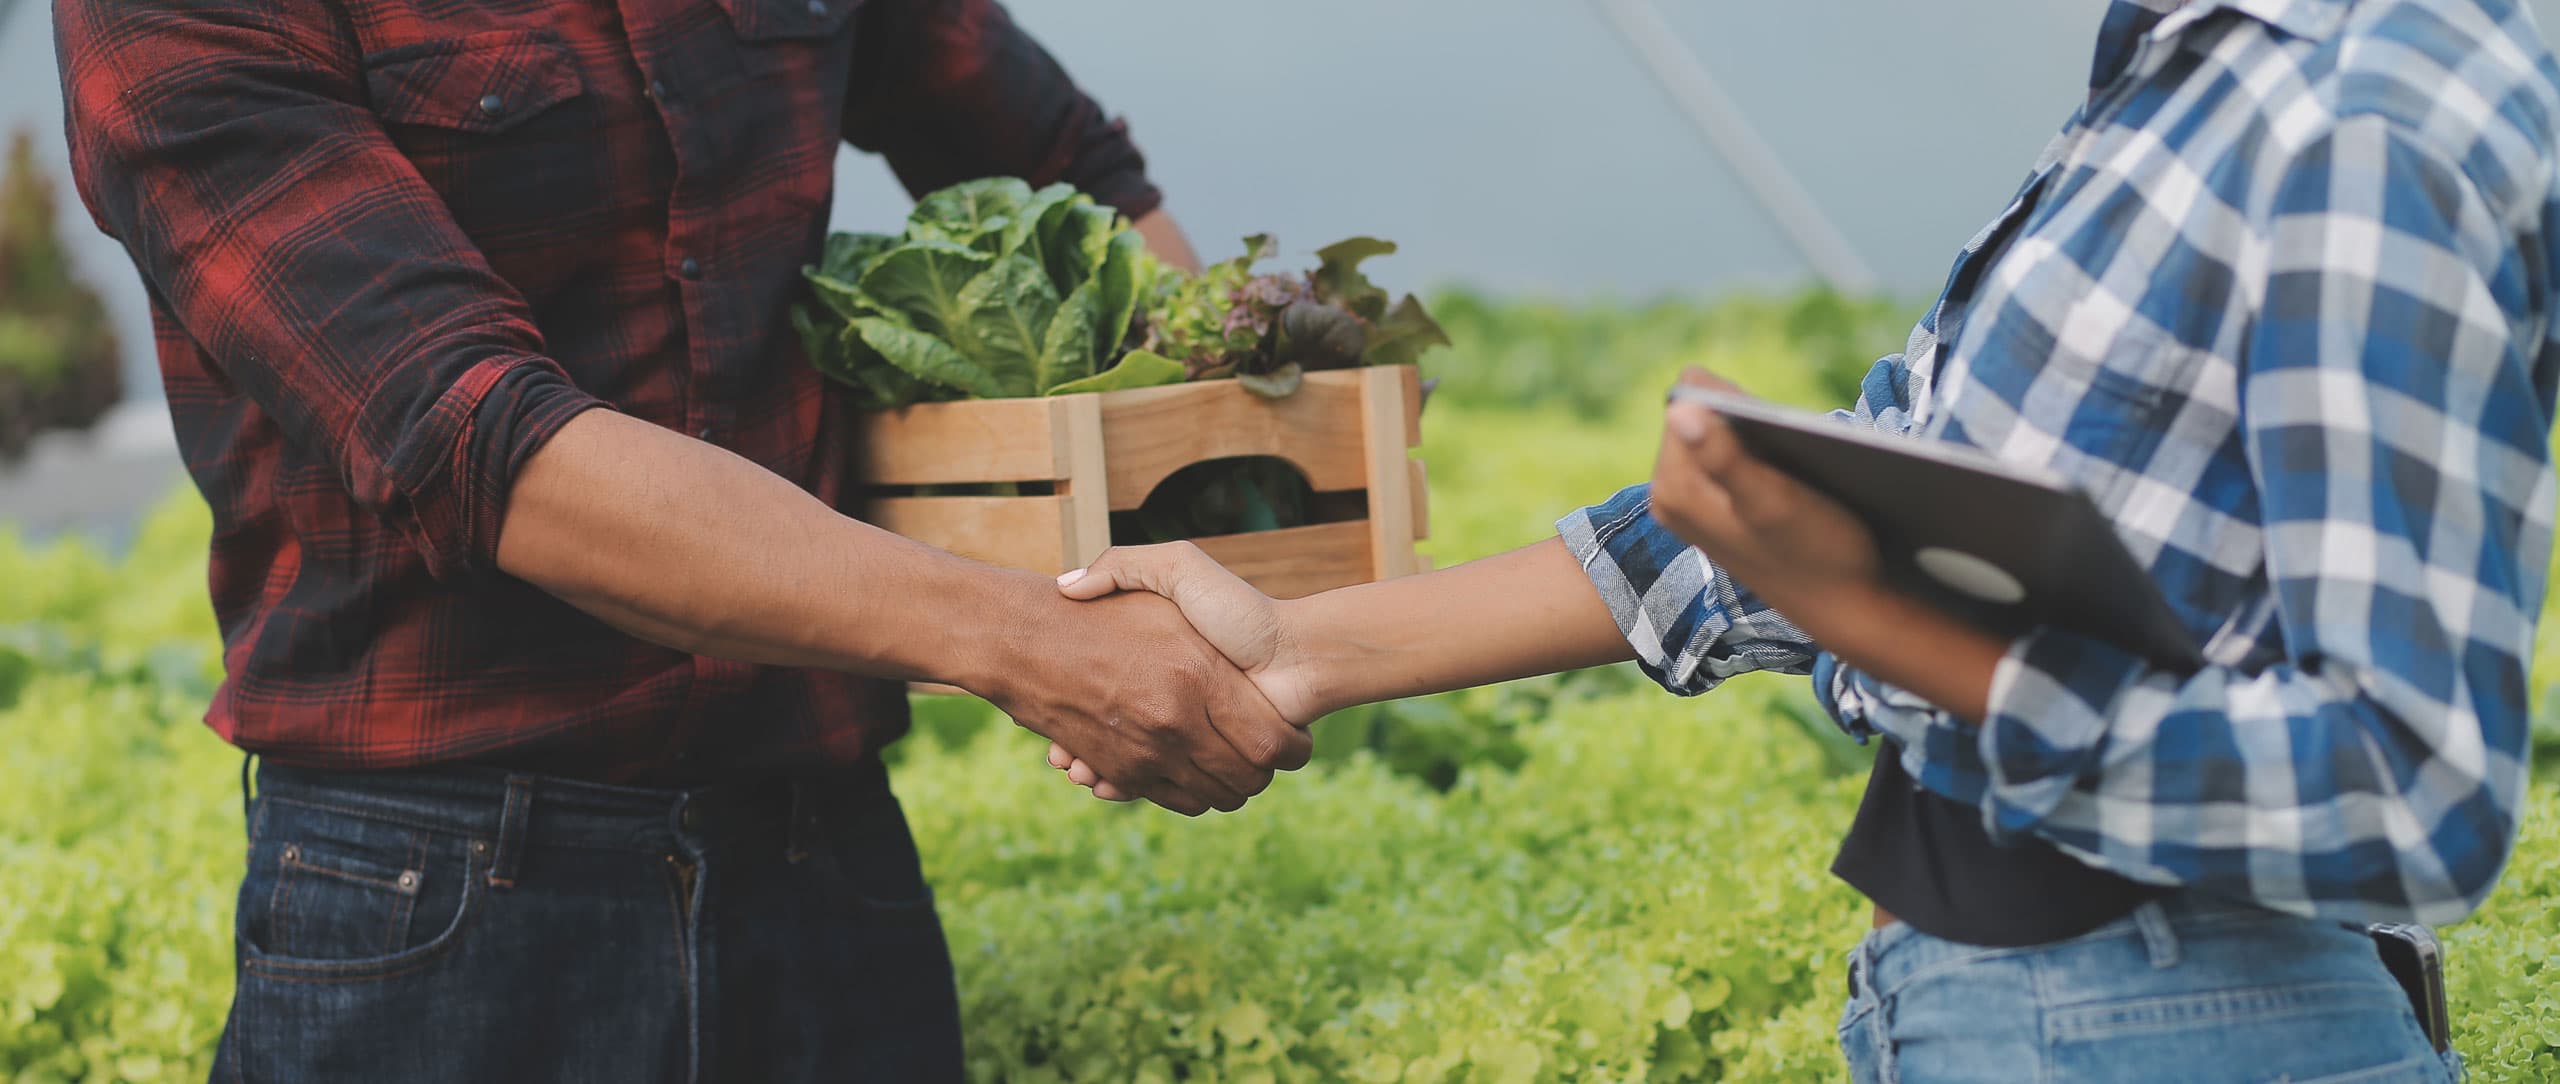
[2006,547]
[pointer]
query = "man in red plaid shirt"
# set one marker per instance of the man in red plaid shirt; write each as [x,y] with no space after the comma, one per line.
[567,679]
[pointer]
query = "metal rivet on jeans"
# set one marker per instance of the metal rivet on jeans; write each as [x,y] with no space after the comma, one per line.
[408,879]
[293,852]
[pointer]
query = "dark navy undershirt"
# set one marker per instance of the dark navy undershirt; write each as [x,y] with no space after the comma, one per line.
[1930,862]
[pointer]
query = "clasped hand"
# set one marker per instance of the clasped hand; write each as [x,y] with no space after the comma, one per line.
[1126,683]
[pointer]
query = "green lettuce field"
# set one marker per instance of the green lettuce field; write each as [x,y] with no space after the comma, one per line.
[1569,879]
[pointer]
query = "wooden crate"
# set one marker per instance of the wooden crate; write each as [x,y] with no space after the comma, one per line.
[1347,430]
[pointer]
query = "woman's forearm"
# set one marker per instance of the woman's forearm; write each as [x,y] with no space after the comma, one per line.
[1527,612]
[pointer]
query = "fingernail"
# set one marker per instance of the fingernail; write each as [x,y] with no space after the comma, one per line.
[1069,577]
[1689,424]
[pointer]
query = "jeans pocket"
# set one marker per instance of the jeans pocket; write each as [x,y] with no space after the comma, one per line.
[332,896]
[2330,1032]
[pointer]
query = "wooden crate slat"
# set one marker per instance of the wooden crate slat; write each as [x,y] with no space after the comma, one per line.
[987,440]
[1152,432]
[1087,480]
[1421,501]
[1386,402]
[1412,405]
[1298,561]
[1016,532]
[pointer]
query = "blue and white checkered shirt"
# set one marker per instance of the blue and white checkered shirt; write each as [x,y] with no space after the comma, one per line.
[2280,298]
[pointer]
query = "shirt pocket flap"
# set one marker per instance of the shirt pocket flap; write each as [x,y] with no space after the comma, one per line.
[783,20]
[479,83]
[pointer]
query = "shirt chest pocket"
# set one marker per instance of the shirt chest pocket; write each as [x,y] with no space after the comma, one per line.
[500,124]
[2059,369]
[783,81]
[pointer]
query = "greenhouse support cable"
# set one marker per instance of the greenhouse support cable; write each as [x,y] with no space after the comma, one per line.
[1685,78]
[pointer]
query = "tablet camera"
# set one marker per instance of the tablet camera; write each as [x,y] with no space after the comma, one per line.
[1970,575]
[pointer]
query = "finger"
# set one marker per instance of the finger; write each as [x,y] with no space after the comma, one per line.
[1687,422]
[1758,493]
[1157,569]
[1109,792]
[1689,502]
[1697,376]
[1083,774]
[1199,767]
[1059,757]
[1219,775]
[1175,799]
[1256,730]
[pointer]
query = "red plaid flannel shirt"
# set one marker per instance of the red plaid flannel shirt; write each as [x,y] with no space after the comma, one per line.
[393,245]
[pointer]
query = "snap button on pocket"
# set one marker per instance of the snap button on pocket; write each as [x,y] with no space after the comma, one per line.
[480,83]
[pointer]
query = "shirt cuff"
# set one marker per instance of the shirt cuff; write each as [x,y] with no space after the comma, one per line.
[453,470]
[2052,697]
[1108,166]
[1655,587]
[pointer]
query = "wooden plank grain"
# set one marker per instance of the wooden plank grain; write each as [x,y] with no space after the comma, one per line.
[1298,561]
[1150,433]
[986,440]
[1016,532]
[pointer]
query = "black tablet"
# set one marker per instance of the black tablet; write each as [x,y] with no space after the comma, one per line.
[2006,547]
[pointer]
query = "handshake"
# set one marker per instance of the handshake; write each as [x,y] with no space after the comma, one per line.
[1201,716]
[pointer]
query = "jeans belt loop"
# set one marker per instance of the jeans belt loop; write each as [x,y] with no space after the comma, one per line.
[511,829]
[1862,965]
[2158,935]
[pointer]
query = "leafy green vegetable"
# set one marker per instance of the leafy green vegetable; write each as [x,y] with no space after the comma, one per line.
[1139,369]
[1228,321]
[992,290]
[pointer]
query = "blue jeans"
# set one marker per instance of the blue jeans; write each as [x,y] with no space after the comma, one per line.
[461,926]
[2182,990]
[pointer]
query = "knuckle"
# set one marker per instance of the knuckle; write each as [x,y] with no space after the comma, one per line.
[1269,752]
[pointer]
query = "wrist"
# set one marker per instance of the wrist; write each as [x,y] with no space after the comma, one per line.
[1302,685]
[978,628]
[1837,610]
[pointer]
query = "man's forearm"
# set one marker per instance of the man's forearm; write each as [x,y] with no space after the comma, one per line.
[1514,615]
[687,545]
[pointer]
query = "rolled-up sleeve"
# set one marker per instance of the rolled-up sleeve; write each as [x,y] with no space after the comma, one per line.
[955,90]
[226,148]
[1691,625]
